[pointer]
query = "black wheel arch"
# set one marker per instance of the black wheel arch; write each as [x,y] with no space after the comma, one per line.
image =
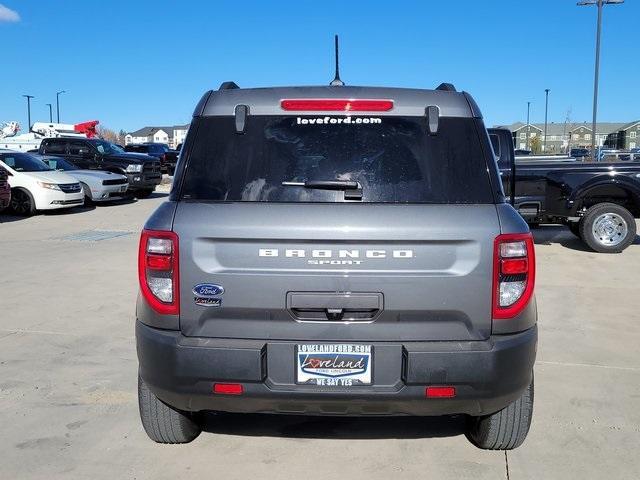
[25,190]
[621,191]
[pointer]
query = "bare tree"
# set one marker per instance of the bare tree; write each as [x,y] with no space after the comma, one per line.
[567,121]
[536,145]
[110,135]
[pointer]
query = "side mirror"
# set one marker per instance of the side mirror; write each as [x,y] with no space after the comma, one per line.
[433,119]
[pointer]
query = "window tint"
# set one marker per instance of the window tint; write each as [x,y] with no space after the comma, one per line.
[136,148]
[57,163]
[105,147]
[24,162]
[495,143]
[392,158]
[78,148]
[55,147]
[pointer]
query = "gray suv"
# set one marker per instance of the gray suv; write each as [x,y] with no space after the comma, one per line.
[337,251]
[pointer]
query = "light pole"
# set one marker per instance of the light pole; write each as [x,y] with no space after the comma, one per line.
[599,4]
[58,103]
[528,124]
[28,97]
[546,111]
[50,113]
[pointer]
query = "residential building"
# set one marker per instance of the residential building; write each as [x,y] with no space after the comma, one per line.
[625,137]
[172,136]
[561,137]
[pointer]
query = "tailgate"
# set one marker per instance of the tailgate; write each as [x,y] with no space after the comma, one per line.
[336,272]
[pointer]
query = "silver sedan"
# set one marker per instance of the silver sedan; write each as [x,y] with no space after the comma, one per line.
[98,185]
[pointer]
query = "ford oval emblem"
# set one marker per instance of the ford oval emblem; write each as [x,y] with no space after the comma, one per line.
[208,290]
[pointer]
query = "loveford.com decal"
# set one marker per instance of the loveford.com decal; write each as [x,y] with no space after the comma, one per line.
[337,120]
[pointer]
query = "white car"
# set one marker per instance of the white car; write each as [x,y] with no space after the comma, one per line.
[98,185]
[34,186]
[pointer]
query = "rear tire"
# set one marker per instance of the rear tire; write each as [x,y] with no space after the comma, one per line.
[506,429]
[608,228]
[164,424]
[22,203]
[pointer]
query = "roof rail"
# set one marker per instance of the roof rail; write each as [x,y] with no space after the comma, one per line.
[228,86]
[447,87]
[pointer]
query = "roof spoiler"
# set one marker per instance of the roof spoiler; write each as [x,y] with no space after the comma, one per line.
[228,86]
[447,87]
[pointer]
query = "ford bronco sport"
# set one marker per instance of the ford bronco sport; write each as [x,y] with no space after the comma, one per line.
[337,251]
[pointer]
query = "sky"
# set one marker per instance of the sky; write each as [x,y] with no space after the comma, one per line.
[131,64]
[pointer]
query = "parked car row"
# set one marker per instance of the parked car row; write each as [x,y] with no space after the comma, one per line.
[69,172]
[143,172]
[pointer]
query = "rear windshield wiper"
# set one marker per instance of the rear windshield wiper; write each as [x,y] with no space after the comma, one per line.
[352,190]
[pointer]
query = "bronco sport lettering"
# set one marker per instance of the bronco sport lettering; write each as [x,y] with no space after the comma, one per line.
[291,252]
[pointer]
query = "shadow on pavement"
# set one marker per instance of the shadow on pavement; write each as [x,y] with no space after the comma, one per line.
[550,234]
[153,195]
[344,428]
[10,218]
[158,195]
[115,203]
[87,207]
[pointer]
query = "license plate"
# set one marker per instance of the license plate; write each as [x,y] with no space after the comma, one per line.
[341,365]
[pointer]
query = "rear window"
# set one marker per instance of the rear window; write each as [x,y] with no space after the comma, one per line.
[136,148]
[55,147]
[392,158]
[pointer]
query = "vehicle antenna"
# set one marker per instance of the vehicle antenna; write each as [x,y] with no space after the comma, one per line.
[336,82]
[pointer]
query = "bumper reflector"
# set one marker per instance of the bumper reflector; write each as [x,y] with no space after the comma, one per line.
[228,388]
[440,392]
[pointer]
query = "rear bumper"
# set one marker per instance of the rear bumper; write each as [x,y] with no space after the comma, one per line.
[488,375]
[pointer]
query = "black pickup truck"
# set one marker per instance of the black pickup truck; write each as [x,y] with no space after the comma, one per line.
[142,171]
[599,202]
[168,158]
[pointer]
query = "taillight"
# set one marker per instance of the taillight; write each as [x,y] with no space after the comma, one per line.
[514,274]
[158,271]
[336,105]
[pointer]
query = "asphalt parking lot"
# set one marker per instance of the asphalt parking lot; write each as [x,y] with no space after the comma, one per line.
[68,404]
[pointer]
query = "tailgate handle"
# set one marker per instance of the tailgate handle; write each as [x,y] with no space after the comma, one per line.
[322,306]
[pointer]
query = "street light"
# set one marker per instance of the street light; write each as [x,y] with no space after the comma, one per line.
[599,4]
[50,112]
[528,124]
[28,97]
[546,110]
[58,103]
